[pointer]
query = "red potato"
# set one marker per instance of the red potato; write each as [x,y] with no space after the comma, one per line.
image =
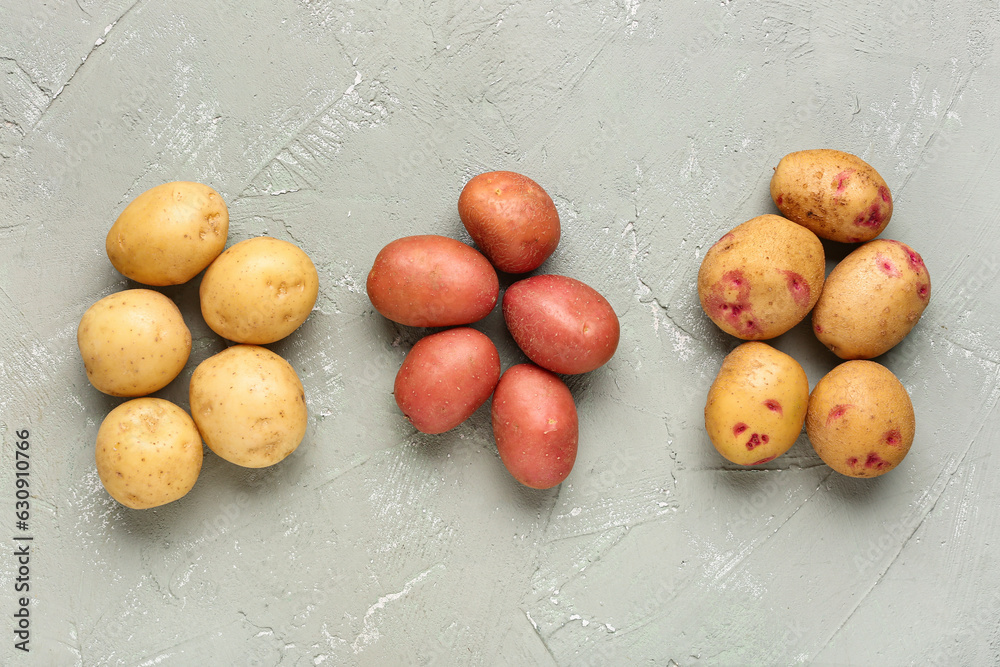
[445,378]
[511,218]
[535,426]
[432,281]
[562,324]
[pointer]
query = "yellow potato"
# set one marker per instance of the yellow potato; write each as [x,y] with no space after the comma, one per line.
[148,453]
[837,195]
[169,233]
[757,404]
[259,291]
[249,405]
[860,419]
[762,278]
[133,342]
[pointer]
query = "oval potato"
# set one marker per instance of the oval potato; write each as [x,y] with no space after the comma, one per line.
[757,404]
[511,218]
[432,281]
[837,195]
[169,233]
[535,426]
[561,323]
[762,278]
[445,378]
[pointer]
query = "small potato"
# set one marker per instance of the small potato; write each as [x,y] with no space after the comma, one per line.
[837,195]
[133,342]
[259,291]
[511,218]
[169,233]
[432,281]
[535,426]
[872,299]
[148,453]
[757,404]
[249,405]
[561,324]
[860,419]
[762,278]
[445,378]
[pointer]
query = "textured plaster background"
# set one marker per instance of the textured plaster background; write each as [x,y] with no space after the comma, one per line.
[654,126]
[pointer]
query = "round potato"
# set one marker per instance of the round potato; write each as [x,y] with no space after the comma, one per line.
[249,405]
[169,233]
[148,453]
[133,342]
[432,281]
[762,278]
[445,378]
[757,404]
[511,218]
[535,426]
[561,324]
[860,419]
[837,195]
[259,291]
[872,299]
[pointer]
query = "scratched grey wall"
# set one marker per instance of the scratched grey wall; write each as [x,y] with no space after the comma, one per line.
[654,126]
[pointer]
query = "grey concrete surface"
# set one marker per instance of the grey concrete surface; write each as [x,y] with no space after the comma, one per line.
[343,125]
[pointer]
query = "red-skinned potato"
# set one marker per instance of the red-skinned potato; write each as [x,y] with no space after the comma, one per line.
[432,281]
[445,378]
[561,324]
[511,218]
[535,426]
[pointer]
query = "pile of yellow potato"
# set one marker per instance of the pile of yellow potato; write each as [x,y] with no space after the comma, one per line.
[247,403]
[763,277]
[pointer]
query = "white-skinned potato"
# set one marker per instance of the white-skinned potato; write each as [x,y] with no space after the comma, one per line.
[148,453]
[249,405]
[259,291]
[133,342]
[169,233]
[757,404]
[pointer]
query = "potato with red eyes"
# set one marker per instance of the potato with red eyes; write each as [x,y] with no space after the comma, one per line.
[757,404]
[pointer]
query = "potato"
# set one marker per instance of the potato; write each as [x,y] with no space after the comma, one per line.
[762,278]
[133,342]
[259,291]
[837,195]
[169,233]
[757,404]
[445,378]
[432,281]
[535,426]
[872,299]
[148,453]
[249,405]
[560,323]
[860,419]
[511,218]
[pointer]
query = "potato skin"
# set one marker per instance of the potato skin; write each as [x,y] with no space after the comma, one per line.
[169,233]
[837,195]
[249,405]
[148,453]
[535,426]
[762,278]
[445,378]
[757,404]
[511,218]
[872,299]
[860,419]
[133,342]
[561,324]
[432,281]
[259,291]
